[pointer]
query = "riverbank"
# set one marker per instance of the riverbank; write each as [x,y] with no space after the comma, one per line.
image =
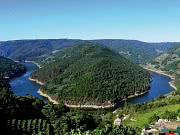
[35,91]
[73,106]
[47,96]
[106,106]
[136,95]
[83,106]
[31,79]
[35,80]
[54,101]
[88,106]
[39,66]
[161,72]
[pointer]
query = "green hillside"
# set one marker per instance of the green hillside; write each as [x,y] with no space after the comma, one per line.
[89,73]
[15,111]
[27,115]
[9,68]
[169,63]
[134,50]
[33,49]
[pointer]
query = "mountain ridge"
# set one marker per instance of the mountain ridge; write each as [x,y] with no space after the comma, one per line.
[136,51]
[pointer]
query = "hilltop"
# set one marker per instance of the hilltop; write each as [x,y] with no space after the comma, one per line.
[91,74]
[134,50]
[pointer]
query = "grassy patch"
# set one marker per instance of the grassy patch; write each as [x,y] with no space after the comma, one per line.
[142,117]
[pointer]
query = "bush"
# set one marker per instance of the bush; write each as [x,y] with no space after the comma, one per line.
[153,118]
[169,115]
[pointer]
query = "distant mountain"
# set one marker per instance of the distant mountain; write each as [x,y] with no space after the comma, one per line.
[89,73]
[169,62]
[136,51]
[9,68]
[33,49]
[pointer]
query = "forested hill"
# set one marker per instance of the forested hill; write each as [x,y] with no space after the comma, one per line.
[168,62]
[15,111]
[9,68]
[89,73]
[134,50]
[33,49]
[28,115]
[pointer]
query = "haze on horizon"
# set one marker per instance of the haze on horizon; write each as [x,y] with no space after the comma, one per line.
[152,20]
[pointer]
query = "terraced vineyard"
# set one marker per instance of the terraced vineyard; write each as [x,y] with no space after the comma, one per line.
[32,126]
[169,63]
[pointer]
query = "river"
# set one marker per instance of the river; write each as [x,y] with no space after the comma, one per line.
[22,85]
[159,86]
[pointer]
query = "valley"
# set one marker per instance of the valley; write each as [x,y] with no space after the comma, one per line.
[84,67]
[87,73]
[30,50]
[89,67]
[157,88]
[168,63]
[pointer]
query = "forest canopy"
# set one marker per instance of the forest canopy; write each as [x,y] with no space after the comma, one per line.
[89,73]
[9,68]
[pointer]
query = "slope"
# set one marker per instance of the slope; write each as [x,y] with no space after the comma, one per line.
[89,73]
[9,68]
[169,63]
[134,50]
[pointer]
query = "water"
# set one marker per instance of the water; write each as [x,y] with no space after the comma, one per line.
[22,85]
[159,86]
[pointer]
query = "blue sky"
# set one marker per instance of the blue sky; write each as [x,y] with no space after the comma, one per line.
[146,20]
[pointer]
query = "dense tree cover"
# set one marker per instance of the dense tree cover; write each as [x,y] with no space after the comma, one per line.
[76,122]
[90,73]
[33,49]
[12,106]
[65,120]
[18,108]
[29,115]
[9,68]
[104,121]
[135,50]
[108,130]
